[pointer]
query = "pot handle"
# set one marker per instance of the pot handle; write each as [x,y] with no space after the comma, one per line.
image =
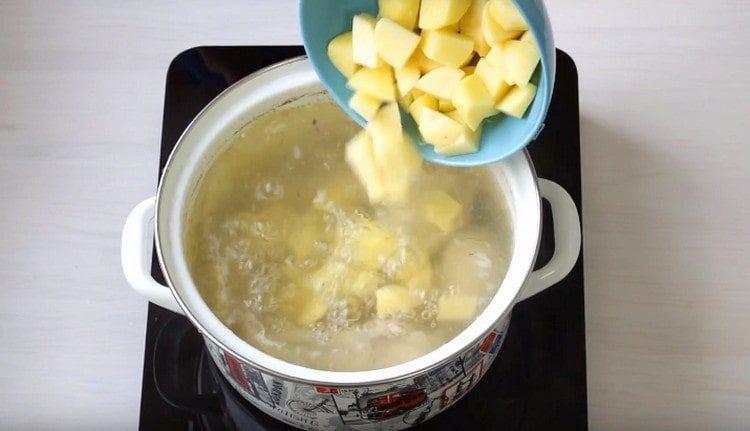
[135,255]
[567,231]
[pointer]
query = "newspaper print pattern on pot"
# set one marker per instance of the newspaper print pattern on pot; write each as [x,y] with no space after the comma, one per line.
[388,406]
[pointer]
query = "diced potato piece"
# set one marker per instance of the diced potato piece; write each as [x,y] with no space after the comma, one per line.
[528,37]
[467,142]
[404,12]
[438,129]
[394,299]
[340,54]
[496,59]
[363,41]
[440,82]
[302,233]
[447,47]
[360,157]
[436,14]
[445,106]
[492,79]
[507,15]
[517,101]
[442,210]
[469,70]
[394,43]
[494,33]
[377,83]
[396,157]
[311,310]
[372,245]
[519,61]
[423,101]
[471,25]
[364,105]
[407,77]
[473,101]
[364,284]
[425,64]
[417,93]
[456,308]
[406,100]
[327,279]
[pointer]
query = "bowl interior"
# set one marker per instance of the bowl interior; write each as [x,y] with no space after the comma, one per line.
[322,20]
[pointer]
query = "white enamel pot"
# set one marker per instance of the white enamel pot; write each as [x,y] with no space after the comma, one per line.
[390,398]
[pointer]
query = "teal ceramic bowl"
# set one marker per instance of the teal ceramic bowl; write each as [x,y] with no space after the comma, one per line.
[322,20]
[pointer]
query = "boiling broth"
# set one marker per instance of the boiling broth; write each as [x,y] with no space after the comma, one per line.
[289,254]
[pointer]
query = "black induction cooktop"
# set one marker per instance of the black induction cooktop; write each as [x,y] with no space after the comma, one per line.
[538,381]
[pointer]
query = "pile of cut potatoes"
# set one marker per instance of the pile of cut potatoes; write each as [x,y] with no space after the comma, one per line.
[449,63]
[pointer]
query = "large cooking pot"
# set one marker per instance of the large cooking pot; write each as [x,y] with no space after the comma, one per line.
[389,398]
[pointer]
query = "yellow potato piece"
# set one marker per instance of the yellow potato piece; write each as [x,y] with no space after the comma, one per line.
[440,82]
[364,105]
[494,33]
[363,41]
[445,106]
[395,155]
[393,299]
[377,83]
[467,141]
[360,157]
[301,305]
[404,12]
[302,233]
[436,14]
[438,129]
[517,101]
[394,44]
[447,47]
[310,311]
[364,284]
[519,61]
[456,308]
[471,25]
[340,54]
[407,77]
[423,101]
[528,37]
[406,100]
[373,245]
[442,210]
[473,101]
[492,78]
[469,70]
[507,15]
[425,64]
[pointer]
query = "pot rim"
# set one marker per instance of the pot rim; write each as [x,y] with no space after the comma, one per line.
[325,377]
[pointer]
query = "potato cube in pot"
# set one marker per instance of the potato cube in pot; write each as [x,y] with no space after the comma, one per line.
[394,299]
[340,54]
[364,105]
[376,83]
[517,101]
[505,13]
[447,47]
[440,82]
[456,308]
[394,44]
[404,12]
[363,41]
[473,101]
[436,14]
[442,210]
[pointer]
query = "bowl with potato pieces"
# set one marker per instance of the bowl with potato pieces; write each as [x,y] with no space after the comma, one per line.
[279,120]
[483,70]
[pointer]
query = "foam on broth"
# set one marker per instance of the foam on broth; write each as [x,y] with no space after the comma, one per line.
[274,242]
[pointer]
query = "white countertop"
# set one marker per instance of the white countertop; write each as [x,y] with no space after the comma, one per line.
[665,110]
